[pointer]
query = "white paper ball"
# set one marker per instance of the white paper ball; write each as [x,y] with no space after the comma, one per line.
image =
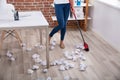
[30,71]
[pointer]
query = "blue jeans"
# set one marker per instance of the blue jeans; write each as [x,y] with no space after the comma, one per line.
[62,13]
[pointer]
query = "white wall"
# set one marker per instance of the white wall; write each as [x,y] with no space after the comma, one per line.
[106,22]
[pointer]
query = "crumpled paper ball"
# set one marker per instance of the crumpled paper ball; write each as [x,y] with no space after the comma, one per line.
[65,62]
[53,43]
[23,44]
[69,57]
[49,78]
[39,46]
[52,47]
[45,70]
[12,59]
[83,67]
[79,46]
[38,60]
[36,45]
[9,54]
[30,71]
[28,49]
[62,68]
[43,63]
[71,65]
[81,56]
[67,67]
[74,58]
[56,62]
[35,67]
[53,63]
[77,51]
[34,56]
[59,62]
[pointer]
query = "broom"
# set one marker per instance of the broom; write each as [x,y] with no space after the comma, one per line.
[86,48]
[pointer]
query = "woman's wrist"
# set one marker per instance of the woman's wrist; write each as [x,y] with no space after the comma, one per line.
[72,10]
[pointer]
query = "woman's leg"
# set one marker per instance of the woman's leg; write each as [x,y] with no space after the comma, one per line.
[63,30]
[60,18]
[66,10]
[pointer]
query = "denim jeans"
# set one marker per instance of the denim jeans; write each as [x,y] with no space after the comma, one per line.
[62,13]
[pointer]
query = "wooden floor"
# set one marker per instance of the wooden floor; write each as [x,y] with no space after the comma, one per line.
[103,61]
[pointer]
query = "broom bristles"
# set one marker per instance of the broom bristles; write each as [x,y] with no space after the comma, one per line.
[86,48]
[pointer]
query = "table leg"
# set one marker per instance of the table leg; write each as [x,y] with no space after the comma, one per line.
[40,33]
[18,38]
[2,38]
[47,48]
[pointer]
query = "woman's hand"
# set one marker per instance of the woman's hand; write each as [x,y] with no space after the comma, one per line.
[72,6]
[72,10]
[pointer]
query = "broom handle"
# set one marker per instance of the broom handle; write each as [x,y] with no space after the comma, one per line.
[79,27]
[71,4]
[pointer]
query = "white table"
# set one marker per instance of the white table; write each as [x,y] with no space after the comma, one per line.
[29,19]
